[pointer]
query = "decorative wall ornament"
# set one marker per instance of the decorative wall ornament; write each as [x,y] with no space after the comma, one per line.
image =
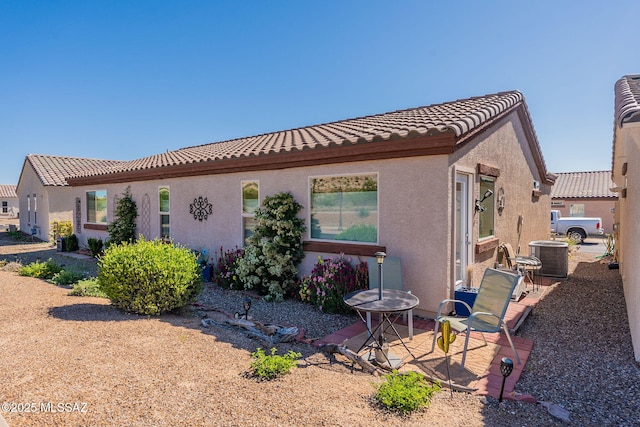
[201,208]
[145,216]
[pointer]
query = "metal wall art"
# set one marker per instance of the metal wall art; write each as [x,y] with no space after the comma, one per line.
[201,208]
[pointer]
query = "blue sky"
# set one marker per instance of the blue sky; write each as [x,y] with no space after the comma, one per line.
[127,79]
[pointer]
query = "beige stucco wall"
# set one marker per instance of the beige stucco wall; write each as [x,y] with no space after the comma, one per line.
[505,147]
[52,204]
[415,204]
[598,208]
[627,150]
[13,207]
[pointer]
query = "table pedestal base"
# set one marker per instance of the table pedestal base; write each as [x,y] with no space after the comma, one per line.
[394,361]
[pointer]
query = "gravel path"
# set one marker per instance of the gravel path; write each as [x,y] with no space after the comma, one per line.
[127,370]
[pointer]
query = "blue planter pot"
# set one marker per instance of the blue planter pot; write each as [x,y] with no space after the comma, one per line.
[206,273]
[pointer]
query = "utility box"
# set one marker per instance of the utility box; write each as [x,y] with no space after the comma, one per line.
[554,256]
[61,244]
[467,295]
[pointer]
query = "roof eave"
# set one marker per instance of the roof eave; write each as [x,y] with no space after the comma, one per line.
[443,143]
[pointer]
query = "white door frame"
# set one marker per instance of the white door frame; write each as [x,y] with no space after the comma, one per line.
[463,216]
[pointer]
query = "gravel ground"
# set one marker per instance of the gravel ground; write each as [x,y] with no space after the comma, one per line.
[170,371]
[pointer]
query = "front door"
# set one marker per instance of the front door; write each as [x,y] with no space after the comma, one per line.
[461,221]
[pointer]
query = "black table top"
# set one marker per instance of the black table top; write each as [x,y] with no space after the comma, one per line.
[393,301]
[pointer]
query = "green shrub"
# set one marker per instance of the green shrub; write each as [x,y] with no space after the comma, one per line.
[96,246]
[268,367]
[123,227]
[41,270]
[72,243]
[405,392]
[60,229]
[88,288]
[68,277]
[149,277]
[274,249]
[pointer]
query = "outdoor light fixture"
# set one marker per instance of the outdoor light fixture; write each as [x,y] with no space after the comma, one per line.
[380,257]
[506,367]
[486,195]
[247,305]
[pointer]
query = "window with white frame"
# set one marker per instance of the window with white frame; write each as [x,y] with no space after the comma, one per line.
[486,217]
[344,208]
[35,210]
[28,208]
[250,202]
[165,211]
[5,206]
[96,206]
[576,209]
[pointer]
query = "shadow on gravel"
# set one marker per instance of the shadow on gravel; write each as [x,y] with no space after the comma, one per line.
[91,312]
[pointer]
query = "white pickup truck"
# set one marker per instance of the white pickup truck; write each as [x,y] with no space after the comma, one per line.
[576,228]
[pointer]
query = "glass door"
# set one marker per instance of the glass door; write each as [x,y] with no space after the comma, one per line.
[461,221]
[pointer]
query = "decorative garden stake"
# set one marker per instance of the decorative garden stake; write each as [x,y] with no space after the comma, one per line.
[247,305]
[506,367]
[444,340]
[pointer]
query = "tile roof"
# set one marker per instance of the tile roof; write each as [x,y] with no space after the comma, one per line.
[54,170]
[8,191]
[458,120]
[627,99]
[596,184]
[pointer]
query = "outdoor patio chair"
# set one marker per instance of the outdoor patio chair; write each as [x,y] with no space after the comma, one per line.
[487,313]
[391,279]
[529,265]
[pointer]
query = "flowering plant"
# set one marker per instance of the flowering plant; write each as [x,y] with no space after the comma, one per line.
[224,272]
[330,280]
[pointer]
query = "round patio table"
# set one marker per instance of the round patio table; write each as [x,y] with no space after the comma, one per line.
[392,304]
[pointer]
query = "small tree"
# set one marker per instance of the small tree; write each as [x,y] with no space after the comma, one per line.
[123,227]
[275,248]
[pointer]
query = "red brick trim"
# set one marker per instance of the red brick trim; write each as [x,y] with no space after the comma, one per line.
[342,248]
[100,227]
[487,245]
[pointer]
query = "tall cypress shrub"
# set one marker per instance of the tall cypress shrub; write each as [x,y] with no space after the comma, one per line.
[123,227]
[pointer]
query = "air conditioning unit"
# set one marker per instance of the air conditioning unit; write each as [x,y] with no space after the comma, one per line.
[554,256]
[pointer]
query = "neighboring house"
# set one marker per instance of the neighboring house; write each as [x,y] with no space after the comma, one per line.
[43,191]
[9,206]
[626,175]
[404,182]
[585,194]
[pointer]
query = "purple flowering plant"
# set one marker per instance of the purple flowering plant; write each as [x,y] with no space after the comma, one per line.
[330,280]
[224,272]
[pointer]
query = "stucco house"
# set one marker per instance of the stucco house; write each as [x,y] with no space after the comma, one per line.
[44,194]
[585,194]
[9,206]
[626,175]
[410,183]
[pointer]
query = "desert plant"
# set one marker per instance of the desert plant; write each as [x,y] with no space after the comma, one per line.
[68,277]
[224,272]
[96,246]
[123,226]
[60,229]
[275,248]
[87,288]
[330,280]
[405,392]
[72,243]
[268,367]
[149,277]
[41,270]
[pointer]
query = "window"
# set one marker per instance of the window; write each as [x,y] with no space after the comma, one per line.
[344,208]
[250,202]
[486,217]
[5,206]
[28,208]
[163,197]
[35,210]
[576,209]
[97,206]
